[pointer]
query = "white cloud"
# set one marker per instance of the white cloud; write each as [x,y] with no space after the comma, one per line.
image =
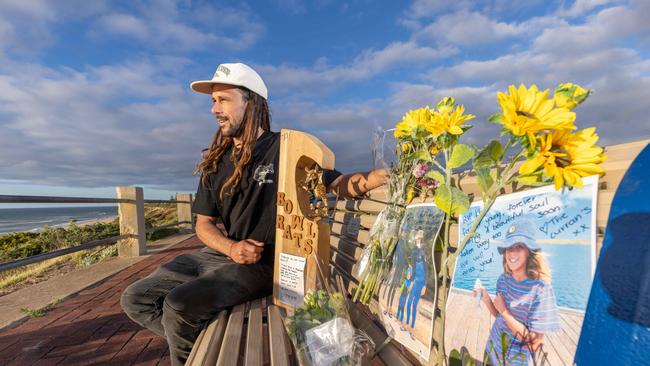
[467,28]
[345,128]
[37,9]
[369,63]
[102,126]
[25,25]
[124,24]
[582,7]
[607,28]
[596,52]
[428,8]
[179,27]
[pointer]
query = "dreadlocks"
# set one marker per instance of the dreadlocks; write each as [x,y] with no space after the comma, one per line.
[256,116]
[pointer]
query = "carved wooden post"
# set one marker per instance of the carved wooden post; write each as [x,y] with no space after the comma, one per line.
[297,236]
[131,216]
[184,211]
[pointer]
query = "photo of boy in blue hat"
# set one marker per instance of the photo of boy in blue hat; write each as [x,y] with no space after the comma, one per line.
[524,307]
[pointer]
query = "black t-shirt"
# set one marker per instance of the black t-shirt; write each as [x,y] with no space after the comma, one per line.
[249,211]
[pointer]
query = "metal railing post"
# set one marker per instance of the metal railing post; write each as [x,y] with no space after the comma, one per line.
[131,216]
[184,210]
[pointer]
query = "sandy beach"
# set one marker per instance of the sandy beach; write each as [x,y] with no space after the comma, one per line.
[103,220]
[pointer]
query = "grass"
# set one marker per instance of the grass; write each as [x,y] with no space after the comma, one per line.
[18,275]
[36,313]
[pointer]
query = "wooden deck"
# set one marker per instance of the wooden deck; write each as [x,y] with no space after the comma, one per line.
[90,328]
[473,324]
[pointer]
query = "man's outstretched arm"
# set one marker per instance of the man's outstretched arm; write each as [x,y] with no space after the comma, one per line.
[356,184]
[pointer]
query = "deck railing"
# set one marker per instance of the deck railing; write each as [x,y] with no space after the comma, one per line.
[132,240]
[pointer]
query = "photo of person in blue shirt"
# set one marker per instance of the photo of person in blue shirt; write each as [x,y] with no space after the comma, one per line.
[403,295]
[525,307]
[419,286]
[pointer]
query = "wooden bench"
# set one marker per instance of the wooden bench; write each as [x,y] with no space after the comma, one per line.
[253,333]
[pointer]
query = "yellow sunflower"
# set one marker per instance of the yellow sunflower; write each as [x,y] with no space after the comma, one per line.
[570,95]
[450,120]
[567,157]
[413,123]
[527,111]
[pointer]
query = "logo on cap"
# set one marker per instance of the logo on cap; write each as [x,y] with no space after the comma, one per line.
[512,229]
[223,69]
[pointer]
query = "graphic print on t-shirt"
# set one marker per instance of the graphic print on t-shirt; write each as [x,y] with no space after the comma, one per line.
[261,173]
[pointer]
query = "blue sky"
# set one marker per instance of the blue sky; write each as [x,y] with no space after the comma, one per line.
[95,94]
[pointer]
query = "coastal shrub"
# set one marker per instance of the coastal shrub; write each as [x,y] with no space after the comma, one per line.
[90,257]
[21,245]
[161,233]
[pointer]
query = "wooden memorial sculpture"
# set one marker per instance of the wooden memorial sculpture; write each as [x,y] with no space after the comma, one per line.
[301,205]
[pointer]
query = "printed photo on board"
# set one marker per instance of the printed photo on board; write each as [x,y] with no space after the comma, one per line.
[525,277]
[406,295]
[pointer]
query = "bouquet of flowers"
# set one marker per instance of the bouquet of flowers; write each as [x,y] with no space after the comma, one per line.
[321,331]
[421,135]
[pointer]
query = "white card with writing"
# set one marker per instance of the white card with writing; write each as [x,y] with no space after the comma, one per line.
[292,279]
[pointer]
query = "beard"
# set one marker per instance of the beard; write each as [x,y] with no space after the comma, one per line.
[232,130]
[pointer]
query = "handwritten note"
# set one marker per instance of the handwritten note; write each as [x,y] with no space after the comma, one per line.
[292,279]
[561,217]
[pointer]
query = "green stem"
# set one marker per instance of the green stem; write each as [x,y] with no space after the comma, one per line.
[486,206]
[444,270]
[447,259]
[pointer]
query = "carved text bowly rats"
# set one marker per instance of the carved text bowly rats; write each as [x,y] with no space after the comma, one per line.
[297,228]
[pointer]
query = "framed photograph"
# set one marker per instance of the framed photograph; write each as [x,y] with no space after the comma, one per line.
[524,279]
[406,296]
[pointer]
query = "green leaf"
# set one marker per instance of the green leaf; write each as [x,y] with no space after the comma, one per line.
[467,358]
[485,180]
[497,118]
[460,155]
[491,154]
[451,200]
[423,155]
[439,244]
[434,174]
[446,102]
[454,358]
[504,346]
[496,151]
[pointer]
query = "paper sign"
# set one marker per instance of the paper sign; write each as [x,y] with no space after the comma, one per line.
[292,279]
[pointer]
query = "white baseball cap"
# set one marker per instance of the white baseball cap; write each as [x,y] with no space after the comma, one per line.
[233,74]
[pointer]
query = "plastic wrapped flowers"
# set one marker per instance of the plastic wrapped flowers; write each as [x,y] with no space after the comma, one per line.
[321,331]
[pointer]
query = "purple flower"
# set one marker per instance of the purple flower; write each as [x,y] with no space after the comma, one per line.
[420,170]
[425,182]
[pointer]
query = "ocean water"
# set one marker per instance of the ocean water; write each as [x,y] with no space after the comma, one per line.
[35,218]
[570,272]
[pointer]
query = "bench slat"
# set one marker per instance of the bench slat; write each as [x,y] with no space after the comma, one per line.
[254,336]
[278,350]
[208,350]
[229,353]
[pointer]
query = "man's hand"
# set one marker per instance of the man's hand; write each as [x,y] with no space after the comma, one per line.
[246,251]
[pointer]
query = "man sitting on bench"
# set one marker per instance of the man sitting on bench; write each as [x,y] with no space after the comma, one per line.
[238,186]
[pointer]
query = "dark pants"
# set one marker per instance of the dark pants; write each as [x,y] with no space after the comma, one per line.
[180,297]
